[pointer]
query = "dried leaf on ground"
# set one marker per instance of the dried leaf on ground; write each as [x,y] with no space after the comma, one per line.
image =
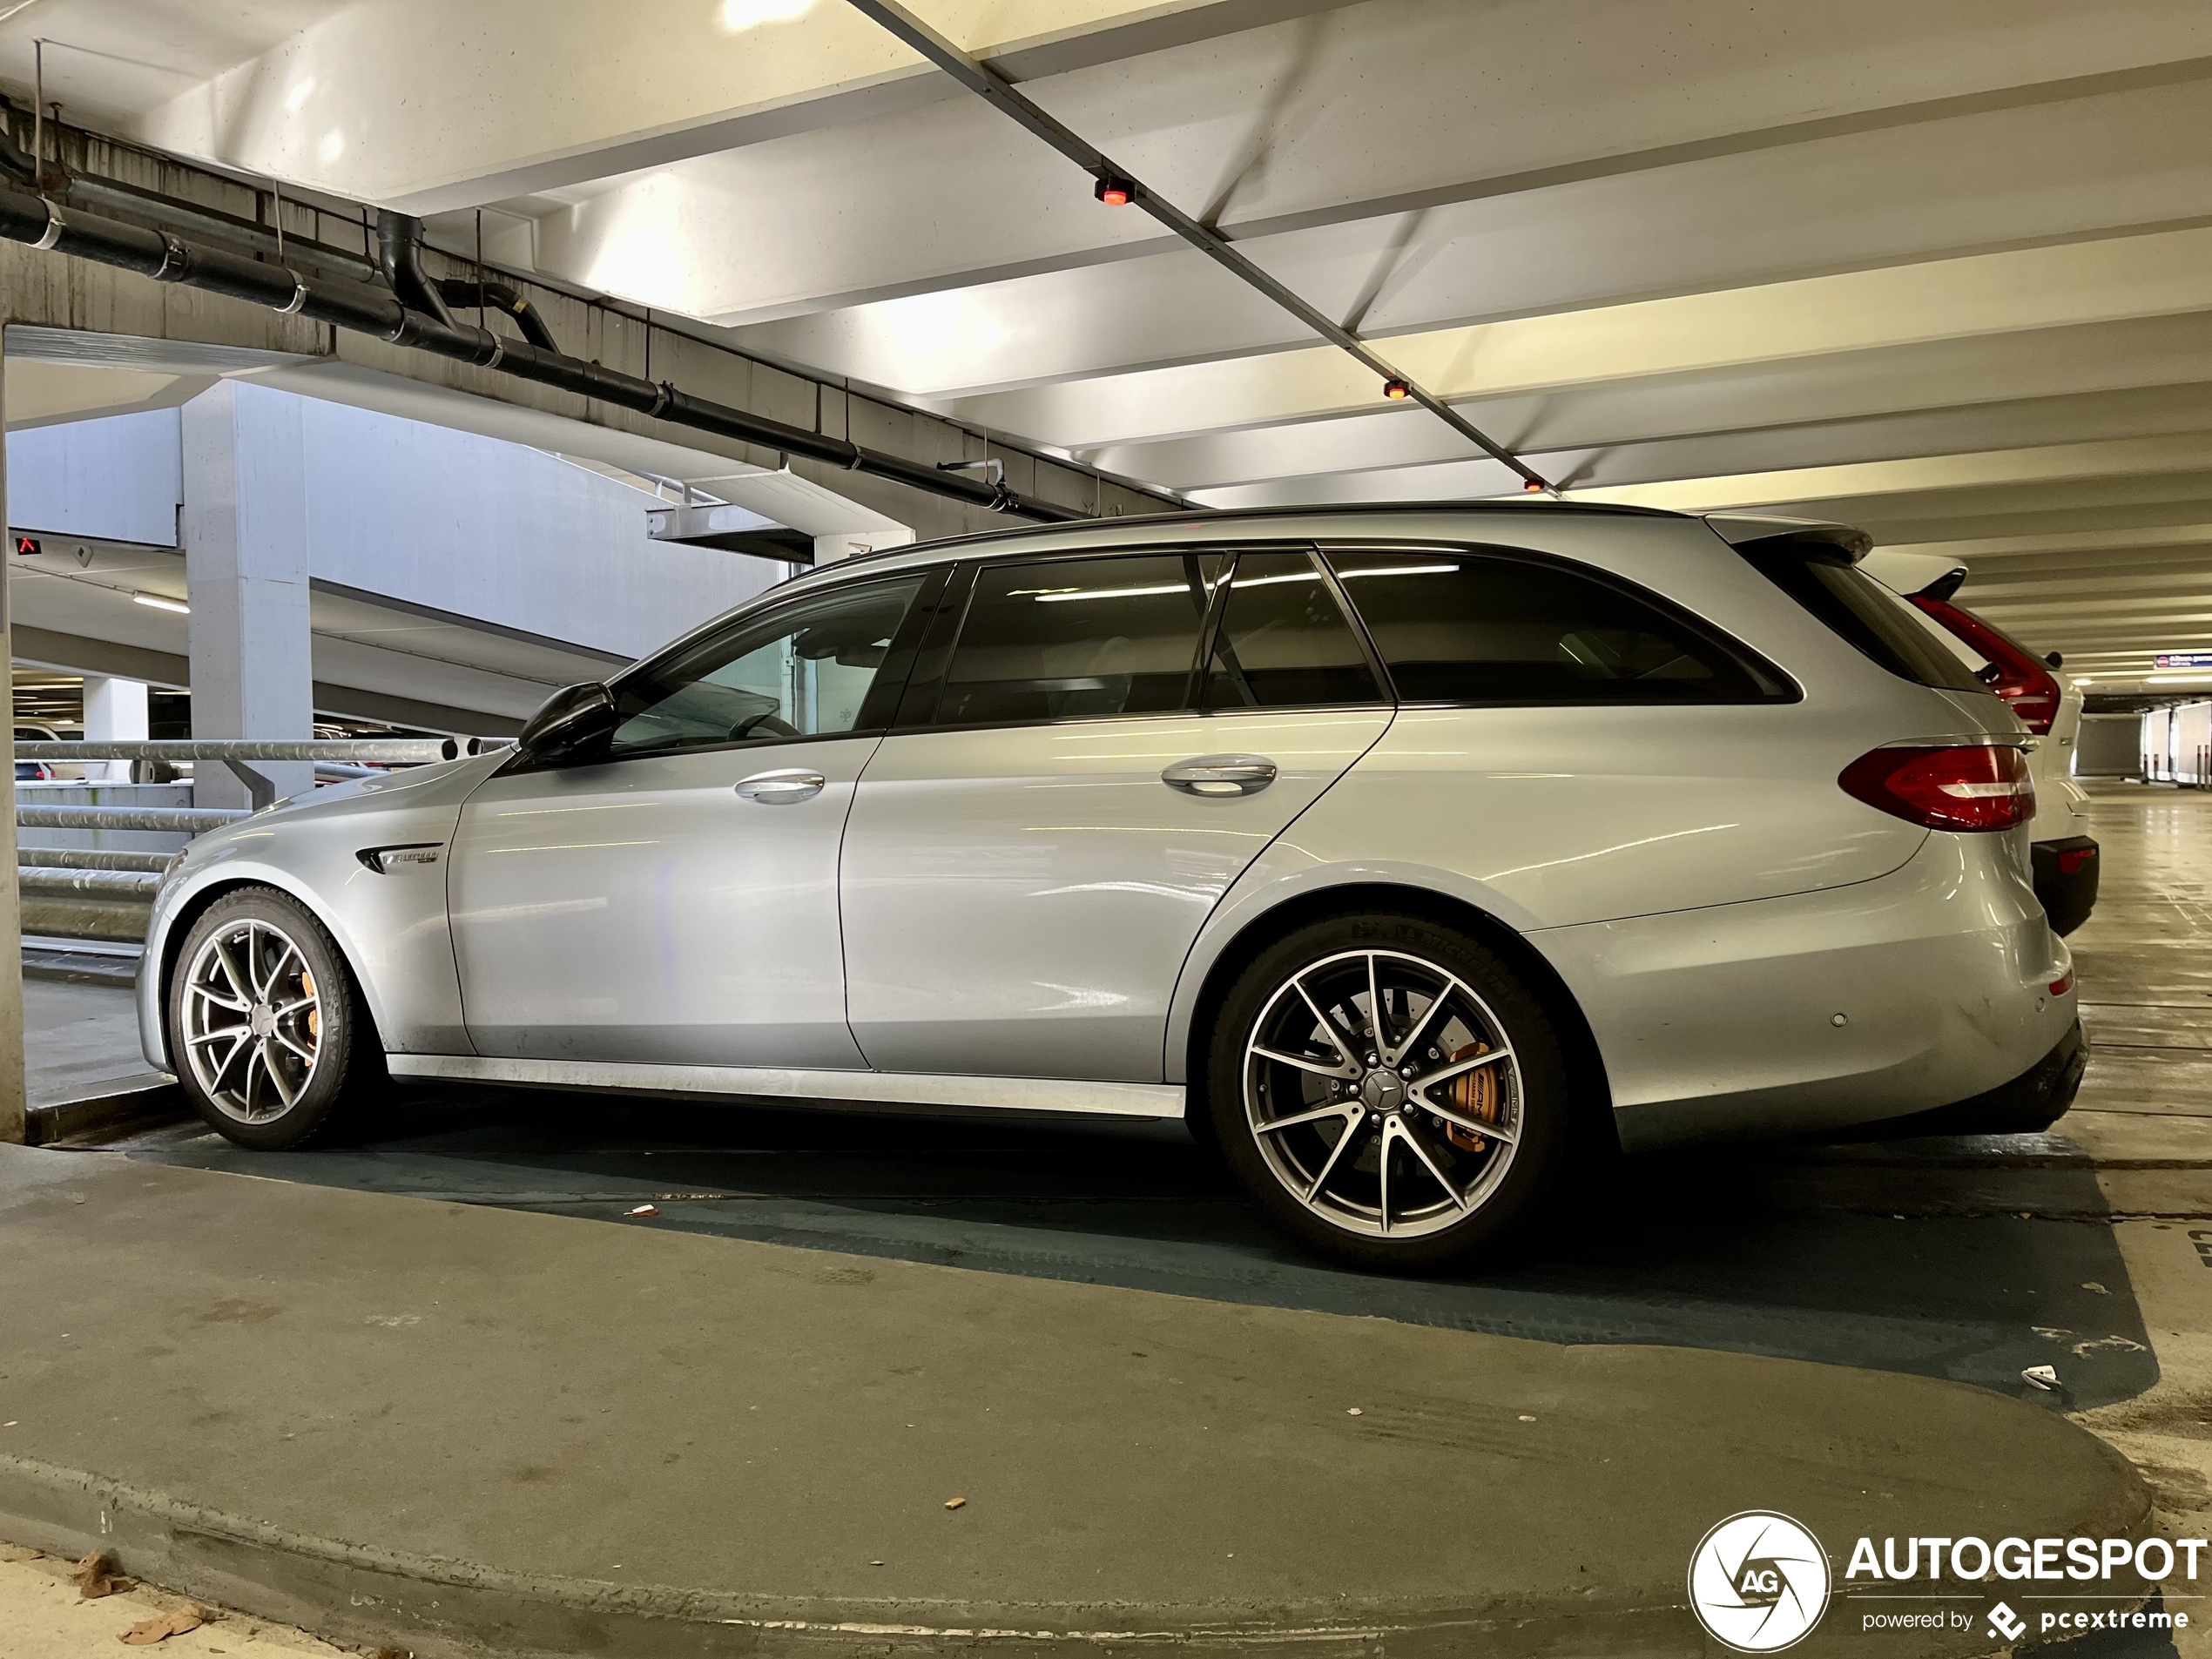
[149,1631]
[97,1577]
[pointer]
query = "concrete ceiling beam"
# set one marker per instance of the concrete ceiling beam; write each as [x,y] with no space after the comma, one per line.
[2098,166]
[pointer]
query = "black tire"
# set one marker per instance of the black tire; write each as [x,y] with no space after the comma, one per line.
[255,1089]
[1442,1159]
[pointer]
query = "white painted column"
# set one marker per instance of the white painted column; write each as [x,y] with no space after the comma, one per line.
[115,711]
[245,524]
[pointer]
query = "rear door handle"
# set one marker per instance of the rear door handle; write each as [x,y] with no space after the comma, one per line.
[1221,774]
[781,788]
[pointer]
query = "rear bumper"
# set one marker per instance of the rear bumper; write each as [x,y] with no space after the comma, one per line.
[2066,880]
[1825,1011]
[2029,1104]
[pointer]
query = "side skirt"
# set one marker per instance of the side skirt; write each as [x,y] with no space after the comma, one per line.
[874,1090]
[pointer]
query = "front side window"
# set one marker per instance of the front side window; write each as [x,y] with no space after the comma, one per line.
[1073,639]
[1283,641]
[804,669]
[1490,628]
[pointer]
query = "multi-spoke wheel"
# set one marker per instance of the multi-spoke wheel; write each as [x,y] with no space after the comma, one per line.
[263,1021]
[1387,1089]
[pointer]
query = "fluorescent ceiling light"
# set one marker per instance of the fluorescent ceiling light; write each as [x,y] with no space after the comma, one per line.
[2176,679]
[738,16]
[155,602]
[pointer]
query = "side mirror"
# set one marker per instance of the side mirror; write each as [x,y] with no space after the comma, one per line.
[2054,659]
[571,720]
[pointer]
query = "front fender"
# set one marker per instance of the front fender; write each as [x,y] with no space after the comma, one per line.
[185,899]
[389,925]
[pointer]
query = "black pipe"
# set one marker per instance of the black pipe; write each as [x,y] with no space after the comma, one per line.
[458,291]
[365,309]
[399,247]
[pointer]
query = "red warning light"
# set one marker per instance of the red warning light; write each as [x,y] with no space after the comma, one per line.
[27,546]
[1115,190]
[1535,486]
[1397,391]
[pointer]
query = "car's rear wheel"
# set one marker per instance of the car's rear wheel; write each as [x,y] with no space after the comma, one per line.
[267,1033]
[1388,1090]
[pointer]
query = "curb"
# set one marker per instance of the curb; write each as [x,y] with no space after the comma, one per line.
[157,1099]
[436,1607]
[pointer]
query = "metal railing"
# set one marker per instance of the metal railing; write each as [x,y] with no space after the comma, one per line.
[103,893]
[192,820]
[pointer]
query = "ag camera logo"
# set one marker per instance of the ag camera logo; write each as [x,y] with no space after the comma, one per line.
[1758,1583]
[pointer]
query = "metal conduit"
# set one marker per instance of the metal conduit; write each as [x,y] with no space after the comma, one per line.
[30,219]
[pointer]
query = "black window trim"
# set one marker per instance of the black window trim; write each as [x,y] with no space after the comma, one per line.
[1775,686]
[918,710]
[899,660]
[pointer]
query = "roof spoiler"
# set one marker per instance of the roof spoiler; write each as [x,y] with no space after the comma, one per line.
[1738,530]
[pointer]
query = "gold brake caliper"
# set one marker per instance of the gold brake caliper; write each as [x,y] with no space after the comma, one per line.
[315,1014]
[1472,1094]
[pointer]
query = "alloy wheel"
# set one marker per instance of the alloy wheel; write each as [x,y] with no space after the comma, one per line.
[252,1021]
[1382,1093]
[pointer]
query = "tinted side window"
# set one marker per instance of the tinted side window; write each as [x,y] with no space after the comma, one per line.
[1859,610]
[802,671]
[1283,641]
[1488,629]
[1076,637]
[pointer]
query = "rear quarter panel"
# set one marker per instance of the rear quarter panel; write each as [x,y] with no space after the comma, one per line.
[1557,817]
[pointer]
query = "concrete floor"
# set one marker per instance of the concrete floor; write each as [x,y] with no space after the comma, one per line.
[80,1042]
[1958,1259]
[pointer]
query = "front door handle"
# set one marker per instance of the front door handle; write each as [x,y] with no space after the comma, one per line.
[1220,775]
[781,788]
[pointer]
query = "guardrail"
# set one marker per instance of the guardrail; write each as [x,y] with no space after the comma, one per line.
[193,820]
[100,893]
[406,752]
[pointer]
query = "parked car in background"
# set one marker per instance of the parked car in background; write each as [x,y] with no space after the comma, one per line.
[1409,855]
[38,771]
[2049,704]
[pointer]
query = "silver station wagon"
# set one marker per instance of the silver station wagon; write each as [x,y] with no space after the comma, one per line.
[1409,855]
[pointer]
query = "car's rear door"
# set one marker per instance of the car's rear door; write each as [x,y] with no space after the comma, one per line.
[1092,750]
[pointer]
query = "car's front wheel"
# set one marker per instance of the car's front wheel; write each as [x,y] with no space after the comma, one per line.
[266,1030]
[1388,1090]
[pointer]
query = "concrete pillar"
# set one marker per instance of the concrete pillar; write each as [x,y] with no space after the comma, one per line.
[115,711]
[245,524]
[13,1098]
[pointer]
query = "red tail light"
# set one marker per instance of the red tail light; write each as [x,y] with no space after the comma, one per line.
[1978,788]
[2021,680]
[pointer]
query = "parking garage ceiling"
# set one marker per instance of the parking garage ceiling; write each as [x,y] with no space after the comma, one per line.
[1943,272]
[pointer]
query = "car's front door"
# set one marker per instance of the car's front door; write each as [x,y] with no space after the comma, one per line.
[1031,855]
[672,897]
